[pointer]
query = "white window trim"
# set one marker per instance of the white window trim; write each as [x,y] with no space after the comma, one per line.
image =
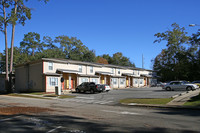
[84,80]
[112,70]
[80,68]
[141,81]
[114,81]
[52,80]
[50,65]
[91,69]
[136,81]
[94,80]
[118,71]
[122,81]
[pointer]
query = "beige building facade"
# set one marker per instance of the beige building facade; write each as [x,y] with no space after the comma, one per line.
[46,73]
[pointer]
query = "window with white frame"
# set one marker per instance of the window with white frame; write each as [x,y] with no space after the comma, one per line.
[112,70]
[53,81]
[122,81]
[94,80]
[136,81]
[114,81]
[84,80]
[141,81]
[91,69]
[80,68]
[138,72]
[118,71]
[50,65]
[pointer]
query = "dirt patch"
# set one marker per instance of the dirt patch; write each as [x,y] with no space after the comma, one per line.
[22,110]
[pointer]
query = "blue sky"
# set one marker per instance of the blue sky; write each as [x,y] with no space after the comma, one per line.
[110,26]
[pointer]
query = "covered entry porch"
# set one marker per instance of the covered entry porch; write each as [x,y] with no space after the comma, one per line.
[105,77]
[129,79]
[147,79]
[70,79]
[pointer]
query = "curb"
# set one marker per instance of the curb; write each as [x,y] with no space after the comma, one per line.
[161,106]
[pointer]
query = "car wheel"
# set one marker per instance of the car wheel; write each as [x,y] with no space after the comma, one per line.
[92,91]
[189,88]
[77,90]
[168,89]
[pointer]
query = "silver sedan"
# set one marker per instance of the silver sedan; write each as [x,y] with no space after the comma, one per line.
[180,85]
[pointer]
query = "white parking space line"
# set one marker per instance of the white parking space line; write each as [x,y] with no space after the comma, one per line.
[50,131]
[121,112]
[106,102]
[85,97]
[87,100]
[99,101]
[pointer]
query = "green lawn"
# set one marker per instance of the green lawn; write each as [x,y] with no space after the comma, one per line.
[27,96]
[147,100]
[45,96]
[61,96]
[35,93]
[66,96]
[194,101]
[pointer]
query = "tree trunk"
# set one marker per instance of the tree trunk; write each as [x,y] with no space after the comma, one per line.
[12,40]
[6,46]
[11,54]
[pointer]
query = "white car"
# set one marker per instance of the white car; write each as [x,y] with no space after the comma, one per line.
[180,85]
[105,87]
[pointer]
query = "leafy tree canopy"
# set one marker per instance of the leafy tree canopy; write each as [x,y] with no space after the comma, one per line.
[178,60]
[33,48]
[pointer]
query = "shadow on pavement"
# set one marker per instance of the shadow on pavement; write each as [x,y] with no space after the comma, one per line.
[68,124]
[184,112]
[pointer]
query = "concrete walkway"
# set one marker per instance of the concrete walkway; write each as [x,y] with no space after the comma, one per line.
[184,97]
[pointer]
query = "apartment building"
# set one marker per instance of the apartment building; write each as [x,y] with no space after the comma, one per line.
[45,74]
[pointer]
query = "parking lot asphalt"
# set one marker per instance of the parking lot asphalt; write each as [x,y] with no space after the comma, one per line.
[73,117]
[112,97]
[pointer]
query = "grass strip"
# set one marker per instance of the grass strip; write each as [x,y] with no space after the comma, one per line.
[61,96]
[147,100]
[26,96]
[50,95]
[66,96]
[194,101]
[36,93]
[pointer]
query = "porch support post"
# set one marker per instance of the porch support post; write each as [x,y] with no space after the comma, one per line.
[70,82]
[146,81]
[110,82]
[118,82]
[77,79]
[99,79]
